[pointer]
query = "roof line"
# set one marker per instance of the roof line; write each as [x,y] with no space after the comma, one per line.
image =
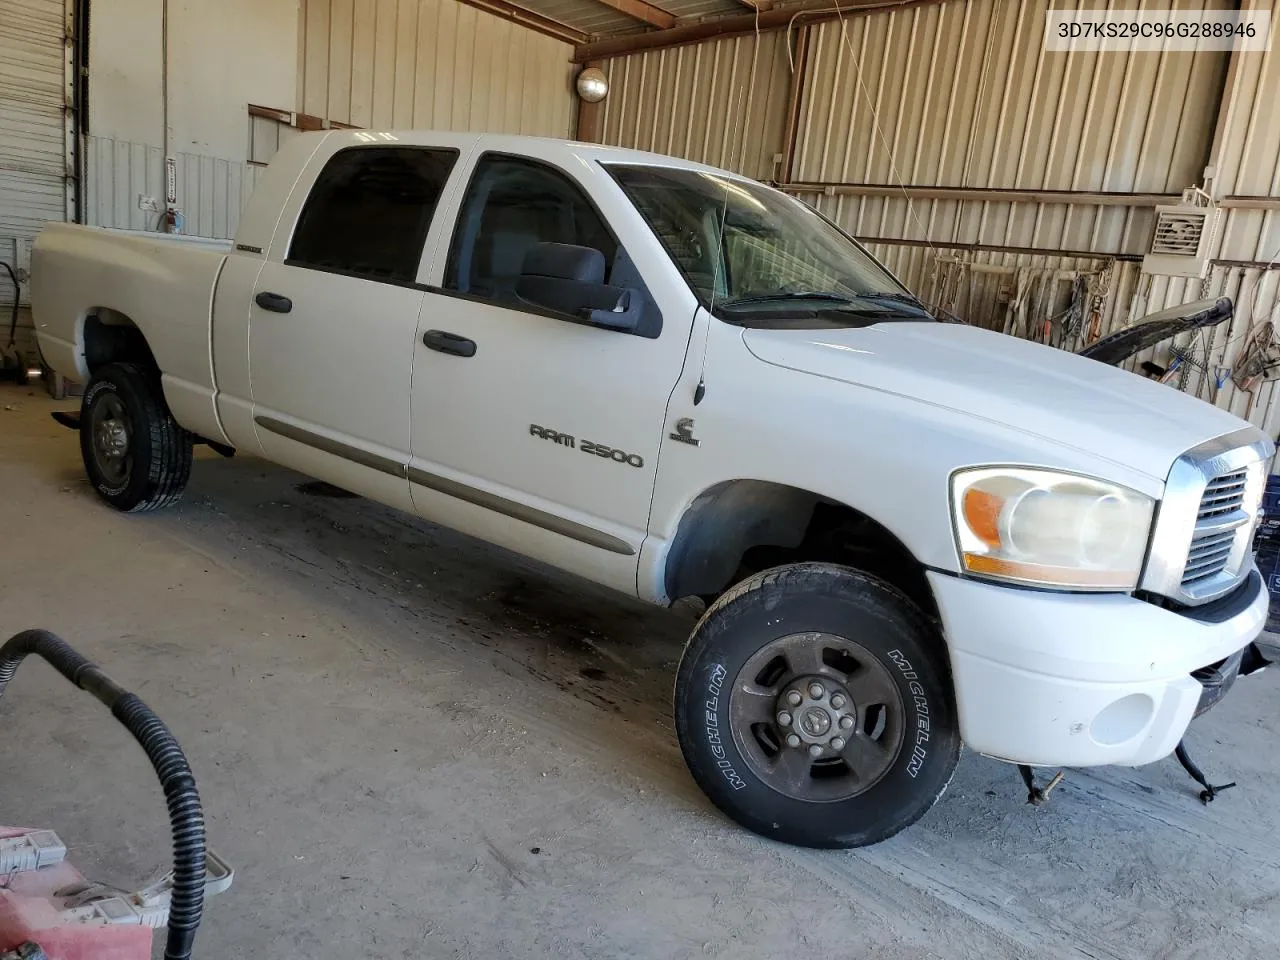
[813,11]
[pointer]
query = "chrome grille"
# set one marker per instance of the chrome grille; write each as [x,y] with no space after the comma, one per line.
[1208,557]
[1220,515]
[1222,495]
[1200,545]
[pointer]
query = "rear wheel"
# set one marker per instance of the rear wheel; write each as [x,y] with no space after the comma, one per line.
[136,455]
[814,706]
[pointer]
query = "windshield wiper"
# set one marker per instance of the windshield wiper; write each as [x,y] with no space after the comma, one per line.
[906,298]
[886,304]
[782,297]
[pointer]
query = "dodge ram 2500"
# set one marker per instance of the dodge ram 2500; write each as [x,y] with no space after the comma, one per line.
[680,383]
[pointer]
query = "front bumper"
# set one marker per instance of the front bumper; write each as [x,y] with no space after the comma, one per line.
[1083,680]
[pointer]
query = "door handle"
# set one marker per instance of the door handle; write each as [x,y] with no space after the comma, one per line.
[273,302]
[449,343]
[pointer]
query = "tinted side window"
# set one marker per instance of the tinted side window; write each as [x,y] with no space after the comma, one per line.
[511,205]
[369,211]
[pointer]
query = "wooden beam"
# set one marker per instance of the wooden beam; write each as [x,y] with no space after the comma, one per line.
[1250,203]
[302,121]
[643,11]
[589,115]
[761,5]
[777,18]
[795,97]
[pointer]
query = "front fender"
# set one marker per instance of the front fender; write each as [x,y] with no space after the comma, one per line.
[889,457]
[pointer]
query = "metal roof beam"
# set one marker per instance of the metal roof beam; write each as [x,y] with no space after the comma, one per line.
[643,11]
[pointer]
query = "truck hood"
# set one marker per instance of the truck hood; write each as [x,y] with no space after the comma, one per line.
[1042,391]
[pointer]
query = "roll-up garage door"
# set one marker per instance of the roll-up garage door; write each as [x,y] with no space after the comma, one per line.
[33,131]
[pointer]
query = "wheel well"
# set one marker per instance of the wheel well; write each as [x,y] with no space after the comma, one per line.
[741,527]
[112,337]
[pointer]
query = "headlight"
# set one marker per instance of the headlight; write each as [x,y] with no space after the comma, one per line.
[1050,529]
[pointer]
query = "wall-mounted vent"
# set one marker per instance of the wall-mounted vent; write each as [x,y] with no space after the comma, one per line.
[1182,242]
[1178,232]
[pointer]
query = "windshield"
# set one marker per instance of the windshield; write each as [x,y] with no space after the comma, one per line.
[757,257]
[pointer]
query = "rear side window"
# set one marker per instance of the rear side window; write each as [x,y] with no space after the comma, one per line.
[369,212]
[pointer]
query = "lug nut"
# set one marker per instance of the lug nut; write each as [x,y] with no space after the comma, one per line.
[815,750]
[784,719]
[838,701]
[794,698]
[837,743]
[793,740]
[846,723]
[816,691]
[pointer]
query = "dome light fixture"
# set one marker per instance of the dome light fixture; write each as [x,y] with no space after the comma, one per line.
[592,85]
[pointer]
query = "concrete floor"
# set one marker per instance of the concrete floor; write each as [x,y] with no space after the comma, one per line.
[412,745]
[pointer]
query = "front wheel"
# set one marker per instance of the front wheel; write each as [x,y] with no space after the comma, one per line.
[136,455]
[813,706]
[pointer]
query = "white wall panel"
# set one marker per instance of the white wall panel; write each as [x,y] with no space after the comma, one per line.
[222,56]
[125,98]
[212,192]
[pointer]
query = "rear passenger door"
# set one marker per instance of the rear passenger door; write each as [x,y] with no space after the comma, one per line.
[334,314]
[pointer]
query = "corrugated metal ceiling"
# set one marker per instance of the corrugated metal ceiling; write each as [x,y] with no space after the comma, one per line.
[599,19]
[591,17]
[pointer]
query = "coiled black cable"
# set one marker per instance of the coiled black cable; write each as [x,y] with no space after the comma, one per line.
[186,815]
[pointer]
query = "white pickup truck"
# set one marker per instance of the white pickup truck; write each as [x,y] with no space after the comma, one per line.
[679,383]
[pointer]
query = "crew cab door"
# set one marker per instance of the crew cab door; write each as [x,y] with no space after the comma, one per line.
[533,428]
[334,312]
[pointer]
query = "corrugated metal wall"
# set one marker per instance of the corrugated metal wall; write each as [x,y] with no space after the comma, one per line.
[962,94]
[1248,154]
[722,103]
[211,192]
[432,64]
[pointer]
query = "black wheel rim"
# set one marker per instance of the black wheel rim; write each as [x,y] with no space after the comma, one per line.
[817,717]
[111,438]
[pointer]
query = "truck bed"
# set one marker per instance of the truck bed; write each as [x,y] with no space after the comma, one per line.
[161,284]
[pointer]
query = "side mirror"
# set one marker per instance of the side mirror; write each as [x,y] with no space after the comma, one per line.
[570,279]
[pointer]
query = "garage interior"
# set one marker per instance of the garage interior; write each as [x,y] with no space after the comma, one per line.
[411,744]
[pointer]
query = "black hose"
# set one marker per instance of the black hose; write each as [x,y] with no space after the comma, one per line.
[17,295]
[186,815]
